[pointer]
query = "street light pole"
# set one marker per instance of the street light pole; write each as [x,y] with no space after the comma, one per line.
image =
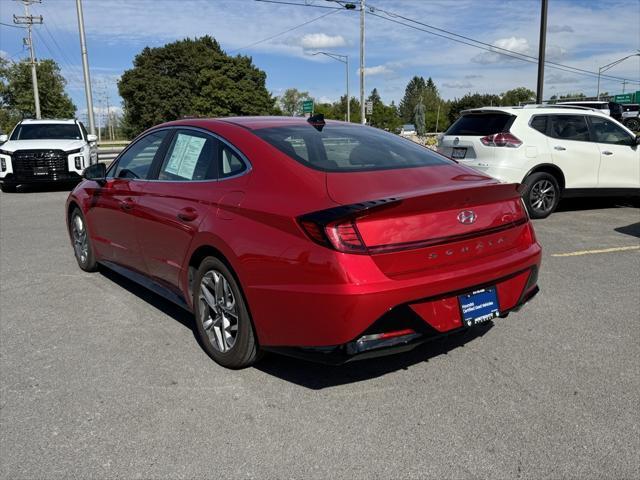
[541,51]
[85,68]
[604,68]
[344,59]
[363,120]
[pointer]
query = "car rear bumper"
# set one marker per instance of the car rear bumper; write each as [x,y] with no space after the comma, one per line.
[357,350]
[327,316]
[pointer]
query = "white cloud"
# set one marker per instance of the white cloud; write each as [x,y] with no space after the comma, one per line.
[559,29]
[4,54]
[560,79]
[377,70]
[513,44]
[457,85]
[321,40]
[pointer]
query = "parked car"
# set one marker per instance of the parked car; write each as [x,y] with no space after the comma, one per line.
[45,151]
[325,240]
[408,130]
[554,151]
[613,109]
[630,116]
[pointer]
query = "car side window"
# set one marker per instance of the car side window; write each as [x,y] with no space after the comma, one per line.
[230,163]
[136,161]
[605,131]
[539,123]
[190,157]
[570,127]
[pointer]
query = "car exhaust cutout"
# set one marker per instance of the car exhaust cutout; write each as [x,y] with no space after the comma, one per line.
[381,340]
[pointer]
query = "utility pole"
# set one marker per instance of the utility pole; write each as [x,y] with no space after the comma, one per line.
[85,69]
[624,84]
[541,51]
[363,120]
[29,20]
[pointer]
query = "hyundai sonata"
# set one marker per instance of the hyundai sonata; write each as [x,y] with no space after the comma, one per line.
[325,240]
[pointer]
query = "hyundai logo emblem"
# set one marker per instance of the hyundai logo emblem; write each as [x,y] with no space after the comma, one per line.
[456,141]
[467,217]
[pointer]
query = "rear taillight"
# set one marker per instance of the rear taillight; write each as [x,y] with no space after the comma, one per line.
[341,236]
[504,139]
[336,227]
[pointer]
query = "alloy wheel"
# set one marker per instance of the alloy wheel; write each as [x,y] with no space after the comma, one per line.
[543,196]
[218,311]
[80,240]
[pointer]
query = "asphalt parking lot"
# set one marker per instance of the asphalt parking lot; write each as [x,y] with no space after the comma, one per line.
[100,378]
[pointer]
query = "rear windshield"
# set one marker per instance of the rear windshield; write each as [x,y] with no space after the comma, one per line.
[47,131]
[481,124]
[348,148]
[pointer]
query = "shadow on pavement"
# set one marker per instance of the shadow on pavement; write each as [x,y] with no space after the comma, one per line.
[165,306]
[317,376]
[633,229]
[594,203]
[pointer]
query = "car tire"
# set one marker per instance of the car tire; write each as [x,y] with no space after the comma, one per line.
[8,188]
[633,124]
[81,241]
[542,194]
[222,319]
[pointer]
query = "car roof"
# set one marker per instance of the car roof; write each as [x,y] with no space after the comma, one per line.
[45,121]
[533,109]
[251,123]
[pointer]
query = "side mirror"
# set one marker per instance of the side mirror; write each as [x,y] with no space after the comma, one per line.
[96,172]
[4,138]
[92,138]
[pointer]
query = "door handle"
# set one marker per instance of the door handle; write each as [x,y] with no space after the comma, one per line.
[187,214]
[558,147]
[607,152]
[127,203]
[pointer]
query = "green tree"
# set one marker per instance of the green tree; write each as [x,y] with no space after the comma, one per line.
[384,116]
[16,92]
[290,102]
[517,96]
[191,77]
[471,100]
[415,88]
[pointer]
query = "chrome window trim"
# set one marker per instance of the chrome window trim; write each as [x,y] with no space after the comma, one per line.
[204,131]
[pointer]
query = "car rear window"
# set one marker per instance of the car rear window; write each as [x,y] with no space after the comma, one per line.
[348,148]
[481,124]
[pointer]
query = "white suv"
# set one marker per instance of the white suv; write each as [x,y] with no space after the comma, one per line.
[39,151]
[555,151]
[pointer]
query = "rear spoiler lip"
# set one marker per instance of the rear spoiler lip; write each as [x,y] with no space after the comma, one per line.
[349,212]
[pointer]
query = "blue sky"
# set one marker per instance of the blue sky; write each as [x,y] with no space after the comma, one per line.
[582,33]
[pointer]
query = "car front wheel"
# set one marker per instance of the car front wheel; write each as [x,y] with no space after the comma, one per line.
[222,319]
[542,194]
[81,242]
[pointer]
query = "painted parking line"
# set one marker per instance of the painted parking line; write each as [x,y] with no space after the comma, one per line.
[593,252]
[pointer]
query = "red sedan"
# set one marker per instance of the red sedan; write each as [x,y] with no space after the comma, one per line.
[326,240]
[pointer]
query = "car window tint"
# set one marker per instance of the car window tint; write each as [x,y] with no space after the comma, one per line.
[230,163]
[605,131]
[46,131]
[481,124]
[137,160]
[539,123]
[190,157]
[341,147]
[570,127]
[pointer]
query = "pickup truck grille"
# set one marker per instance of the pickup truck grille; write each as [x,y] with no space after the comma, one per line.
[40,165]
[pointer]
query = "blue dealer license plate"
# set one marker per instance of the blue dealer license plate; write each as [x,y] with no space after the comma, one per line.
[479,306]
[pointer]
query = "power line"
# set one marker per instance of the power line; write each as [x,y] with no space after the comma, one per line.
[516,55]
[492,47]
[299,4]
[285,31]
[9,25]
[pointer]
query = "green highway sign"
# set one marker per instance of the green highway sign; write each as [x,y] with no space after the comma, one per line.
[624,98]
[307,106]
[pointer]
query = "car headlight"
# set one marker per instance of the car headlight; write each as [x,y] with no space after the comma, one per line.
[4,152]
